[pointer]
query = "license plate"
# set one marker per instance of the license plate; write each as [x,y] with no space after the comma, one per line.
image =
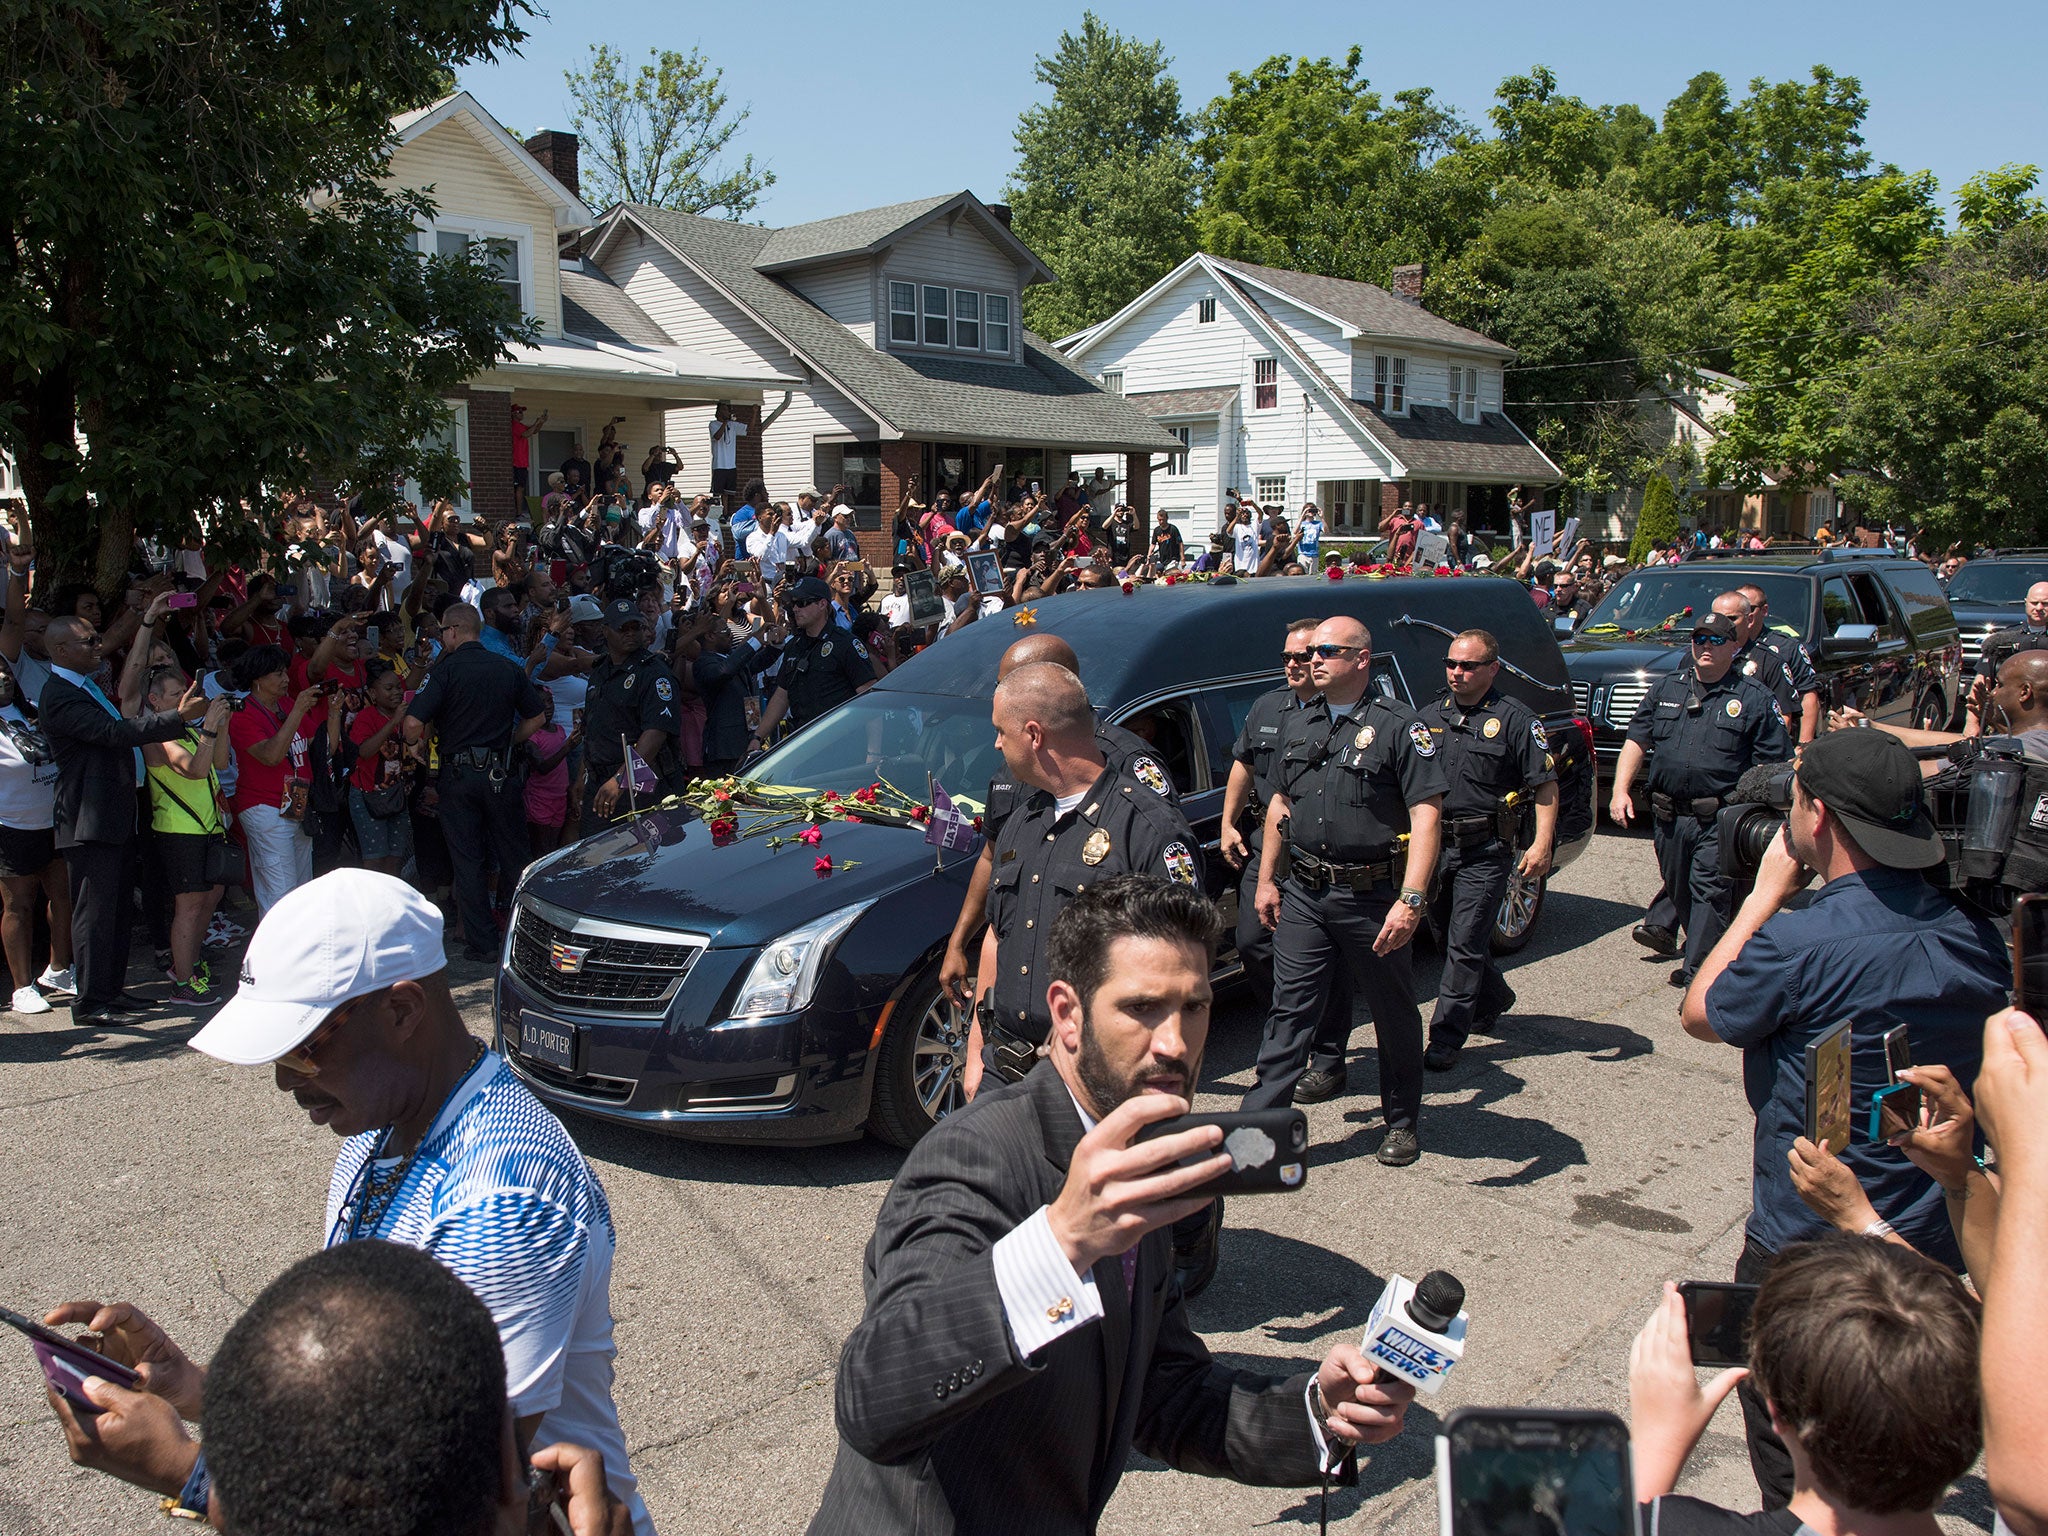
[548,1040]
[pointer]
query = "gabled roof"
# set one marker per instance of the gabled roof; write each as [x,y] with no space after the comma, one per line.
[1046,400]
[1436,445]
[571,212]
[1365,308]
[596,307]
[872,229]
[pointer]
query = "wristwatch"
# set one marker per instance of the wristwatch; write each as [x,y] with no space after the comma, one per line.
[1411,897]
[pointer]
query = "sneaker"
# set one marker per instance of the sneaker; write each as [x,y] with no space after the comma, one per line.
[1317,1085]
[1399,1148]
[54,980]
[29,1000]
[1658,941]
[193,992]
[1441,1057]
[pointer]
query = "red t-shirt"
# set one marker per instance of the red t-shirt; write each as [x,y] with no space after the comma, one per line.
[372,772]
[520,433]
[347,673]
[256,784]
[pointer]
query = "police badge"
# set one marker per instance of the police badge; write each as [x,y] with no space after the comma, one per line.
[1147,772]
[1542,740]
[1735,709]
[1425,744]
[1180,864]
[825,649]
[1363,739]
[1491,729]
[1096,849]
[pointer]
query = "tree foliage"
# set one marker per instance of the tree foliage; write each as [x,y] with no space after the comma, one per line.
[1657,523]
[1104,183]
[657,136]
[207,293]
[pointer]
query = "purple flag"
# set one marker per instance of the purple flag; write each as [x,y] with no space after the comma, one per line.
[949,828]
[638,774]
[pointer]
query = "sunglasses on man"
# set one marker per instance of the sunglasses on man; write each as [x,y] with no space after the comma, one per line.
[1702,637]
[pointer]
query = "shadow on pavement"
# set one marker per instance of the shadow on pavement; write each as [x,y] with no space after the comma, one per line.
[865,1161]
[1264,1275]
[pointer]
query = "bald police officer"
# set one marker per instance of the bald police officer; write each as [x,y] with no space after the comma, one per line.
[822,665]
[2031,635]
[1756,630]
[1491,747]
[1083,821]
[1356,772]
[1700,728]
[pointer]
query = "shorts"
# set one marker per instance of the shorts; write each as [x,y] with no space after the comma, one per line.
[723,480]
[379,837]
[183,857]
[26,854]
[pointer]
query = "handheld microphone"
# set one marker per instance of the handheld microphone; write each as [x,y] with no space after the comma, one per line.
[1417,1332]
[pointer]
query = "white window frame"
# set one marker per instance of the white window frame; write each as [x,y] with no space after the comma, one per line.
[910,314]
[1390,383]
[1266,496]
[1177,463]
[458,424]
[1205,311]
[989,323]
[521,235]
[1465,392]
[1113,381]
[960,342]
[943,315]
[1271,367]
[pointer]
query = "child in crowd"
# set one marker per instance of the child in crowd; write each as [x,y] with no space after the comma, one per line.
[547,779]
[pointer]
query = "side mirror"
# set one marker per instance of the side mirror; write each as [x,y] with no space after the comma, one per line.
[1851,640]
[1564,624]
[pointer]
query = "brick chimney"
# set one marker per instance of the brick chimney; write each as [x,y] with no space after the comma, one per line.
[556,151]
[1001,211]
[1406,283]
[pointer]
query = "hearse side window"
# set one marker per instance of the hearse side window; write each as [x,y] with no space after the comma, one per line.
[1170,727]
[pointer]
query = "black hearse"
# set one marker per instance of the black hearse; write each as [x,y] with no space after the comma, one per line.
[656,977]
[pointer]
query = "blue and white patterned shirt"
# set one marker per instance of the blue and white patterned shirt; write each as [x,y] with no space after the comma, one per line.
[501,1195]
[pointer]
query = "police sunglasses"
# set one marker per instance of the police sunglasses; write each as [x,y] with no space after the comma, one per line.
[1701,637]
[1297,658]
[1452,664]
[1328,652]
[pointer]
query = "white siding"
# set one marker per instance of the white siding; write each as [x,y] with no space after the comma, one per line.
[689,309]
[1164,347]
[845,290]
[468,180]
[789,455]
[956,253]
[1323,342]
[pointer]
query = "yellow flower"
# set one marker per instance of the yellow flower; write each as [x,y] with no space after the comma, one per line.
[1025,616]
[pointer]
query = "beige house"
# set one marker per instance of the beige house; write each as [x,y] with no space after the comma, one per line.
[598,359]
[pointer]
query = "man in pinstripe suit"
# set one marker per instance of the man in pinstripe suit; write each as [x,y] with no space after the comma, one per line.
[1023,1329]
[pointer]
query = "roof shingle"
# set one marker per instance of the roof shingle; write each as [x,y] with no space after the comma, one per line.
[844,235]
[1366,305]
[1183,402]
[1435,444]
[596,308]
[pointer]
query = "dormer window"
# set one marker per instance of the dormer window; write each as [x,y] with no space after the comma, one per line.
[903,313]
[967,319]
[939,317]
[998,322]
[937,313]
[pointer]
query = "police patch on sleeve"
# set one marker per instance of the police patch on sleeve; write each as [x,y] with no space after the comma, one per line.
[1146,771]
[1425,744]
[858,649]
[1542,739]
[1180,864]
[664,690]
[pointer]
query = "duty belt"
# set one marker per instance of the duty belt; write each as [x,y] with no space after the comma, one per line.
[1669,806]
[1012,1054]
[1471,830]
[1316,874]
[481,758]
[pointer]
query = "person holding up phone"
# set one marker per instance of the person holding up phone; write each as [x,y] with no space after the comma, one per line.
[1877,945]
[953,1400]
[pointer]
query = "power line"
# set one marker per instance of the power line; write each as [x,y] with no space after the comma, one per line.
[1645,357]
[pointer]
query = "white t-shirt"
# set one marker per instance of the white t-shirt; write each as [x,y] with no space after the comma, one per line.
[896,609]
[725,442]
[29,676]
[1245,547]
[28,794]
[500,1195]
[569,691]
[772,550]
[397,554]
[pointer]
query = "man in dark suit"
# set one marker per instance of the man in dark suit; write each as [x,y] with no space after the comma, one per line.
[1024,1330]
[99,768]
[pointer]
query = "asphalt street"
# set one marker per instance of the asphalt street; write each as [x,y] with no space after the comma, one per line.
[1570,1165]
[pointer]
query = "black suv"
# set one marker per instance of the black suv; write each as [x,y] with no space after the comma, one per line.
[1989,593]
[657,976]
[1876,625]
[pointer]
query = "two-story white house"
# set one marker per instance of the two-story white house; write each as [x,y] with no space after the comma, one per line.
[1291,388]
[902,326]
[597,358]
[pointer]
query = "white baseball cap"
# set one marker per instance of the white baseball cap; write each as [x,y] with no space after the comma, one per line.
[334,939]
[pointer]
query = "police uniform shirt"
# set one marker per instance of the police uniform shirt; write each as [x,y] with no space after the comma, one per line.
[1126,751]
[625,699]
[2002,643]
[822,672]
[475,698]
[1759,661]
[1488,751]
[1044,858]
[1798,665]
[1258,744]
[1350,778]
[1705,736]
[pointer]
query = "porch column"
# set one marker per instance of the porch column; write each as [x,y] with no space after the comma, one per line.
[901,459]
[1138,484]
[490,454]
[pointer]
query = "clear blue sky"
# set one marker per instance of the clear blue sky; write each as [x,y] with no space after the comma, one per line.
[856,106]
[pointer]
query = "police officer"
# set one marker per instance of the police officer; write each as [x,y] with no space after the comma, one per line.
[1999,644]
[482,706]
[1125,751]
[632,702]
[1490,747]
[1083,821]
[1355,772]
[1756,661]
[1805,682]
[1708,724]
[822,666]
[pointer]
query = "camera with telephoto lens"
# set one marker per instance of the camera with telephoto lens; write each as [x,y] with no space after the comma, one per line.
[1757,808]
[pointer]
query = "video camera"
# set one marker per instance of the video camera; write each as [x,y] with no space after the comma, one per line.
[1993,852]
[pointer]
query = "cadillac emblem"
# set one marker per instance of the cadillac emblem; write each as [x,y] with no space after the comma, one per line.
[567,959]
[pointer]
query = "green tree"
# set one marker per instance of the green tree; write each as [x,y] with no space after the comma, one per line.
[1550,138]
[657,137]
[1950,417]
[1657,523]
[1692,171]
[207,293]
[1104,184]
[1993,203]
